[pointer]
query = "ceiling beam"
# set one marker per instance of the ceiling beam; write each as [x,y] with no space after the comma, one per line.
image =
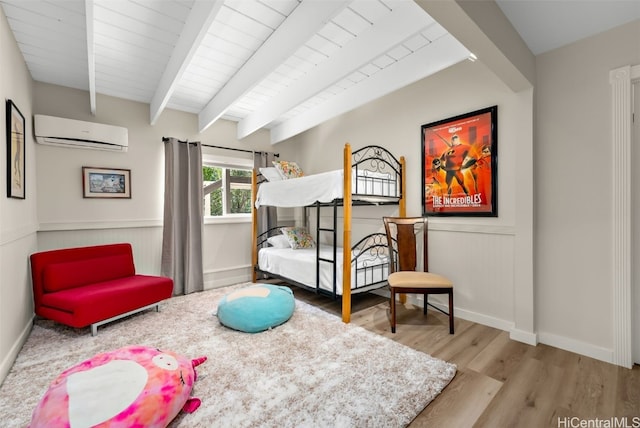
[305,21]
[91,54]
[404,21]
[195,29]
[486,31]
[428,60]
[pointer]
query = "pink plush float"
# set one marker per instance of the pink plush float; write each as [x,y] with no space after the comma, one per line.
[135,386]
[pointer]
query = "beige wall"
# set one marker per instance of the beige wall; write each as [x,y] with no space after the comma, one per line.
[572,153]
[574,184]
[67,219]
[18,223]
[477,253]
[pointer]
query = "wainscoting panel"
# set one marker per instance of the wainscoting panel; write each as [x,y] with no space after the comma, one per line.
[16,296]
[228,276]
[226,247]
[146,243]
[478,258]
[481,268]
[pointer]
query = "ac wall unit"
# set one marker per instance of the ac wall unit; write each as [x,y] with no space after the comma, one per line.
[57,131]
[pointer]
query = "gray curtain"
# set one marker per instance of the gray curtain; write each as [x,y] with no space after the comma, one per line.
[267,216]
[183,216]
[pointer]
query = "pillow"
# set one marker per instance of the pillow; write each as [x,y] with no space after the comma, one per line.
[298,237]
[288,169]
[256,308]
[279,241]
[130,386]
[271,173]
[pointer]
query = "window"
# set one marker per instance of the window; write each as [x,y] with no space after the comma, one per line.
[227,187]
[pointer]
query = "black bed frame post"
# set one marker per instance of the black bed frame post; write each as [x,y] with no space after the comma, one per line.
[335,250]
[318,230]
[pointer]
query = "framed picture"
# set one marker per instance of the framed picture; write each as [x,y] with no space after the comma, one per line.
[15,152]
[460,165]
[106,183]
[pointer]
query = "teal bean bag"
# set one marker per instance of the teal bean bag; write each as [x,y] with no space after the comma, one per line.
[256,308]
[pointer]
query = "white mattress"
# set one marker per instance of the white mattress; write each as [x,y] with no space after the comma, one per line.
[325,187]
[300,266]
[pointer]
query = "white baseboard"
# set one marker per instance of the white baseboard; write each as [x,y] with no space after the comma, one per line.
[572,345]
[479,318]
[11,356]
[224,277]
[530,338]
[523,336]
[476,317]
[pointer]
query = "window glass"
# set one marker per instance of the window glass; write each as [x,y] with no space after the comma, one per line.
[240,191]
[227,190]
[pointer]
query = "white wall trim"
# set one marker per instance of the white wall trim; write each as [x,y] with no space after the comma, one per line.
[529,338]
[129,224]
[96,225]
[438,225]
[577,346]
[11,356]
[9,236]
[476,317]
[484,229]
[240,218]
[218,278]
[620,80]
[523,336]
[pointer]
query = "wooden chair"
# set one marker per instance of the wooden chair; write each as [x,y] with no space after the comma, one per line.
[403,277]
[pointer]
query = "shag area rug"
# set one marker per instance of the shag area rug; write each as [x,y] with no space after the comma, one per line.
[312,371]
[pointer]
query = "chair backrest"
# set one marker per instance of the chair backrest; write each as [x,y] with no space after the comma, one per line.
[403,246]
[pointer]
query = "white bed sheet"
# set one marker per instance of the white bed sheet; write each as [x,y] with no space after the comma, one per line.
[298,192]
[323,187]
[300,266]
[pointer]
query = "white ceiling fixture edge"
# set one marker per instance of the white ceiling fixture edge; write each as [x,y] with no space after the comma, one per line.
[417,66]
[300,26]
[405,20]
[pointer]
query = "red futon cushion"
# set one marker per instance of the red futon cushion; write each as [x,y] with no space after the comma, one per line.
[62,276]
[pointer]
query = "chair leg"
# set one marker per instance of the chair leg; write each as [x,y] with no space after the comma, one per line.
[426,303]
[393,311]
[451,312]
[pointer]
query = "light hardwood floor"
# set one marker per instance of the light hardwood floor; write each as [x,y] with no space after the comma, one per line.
[501,382]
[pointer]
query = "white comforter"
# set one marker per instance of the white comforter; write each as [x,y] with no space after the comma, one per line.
[298,192]
[300,266]
[325,187]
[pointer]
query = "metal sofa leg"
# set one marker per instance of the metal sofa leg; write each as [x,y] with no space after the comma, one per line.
[94,326]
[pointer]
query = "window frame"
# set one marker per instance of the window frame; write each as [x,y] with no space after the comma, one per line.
[227,164]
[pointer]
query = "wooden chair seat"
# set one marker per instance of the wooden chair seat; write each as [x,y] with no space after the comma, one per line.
[404,278]
[419,280]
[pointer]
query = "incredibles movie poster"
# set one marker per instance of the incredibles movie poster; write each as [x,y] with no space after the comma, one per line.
[459,165]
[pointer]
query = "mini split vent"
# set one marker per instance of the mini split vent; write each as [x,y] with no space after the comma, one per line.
[57,131]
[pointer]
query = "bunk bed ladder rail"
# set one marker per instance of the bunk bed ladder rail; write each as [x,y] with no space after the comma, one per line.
[334,231]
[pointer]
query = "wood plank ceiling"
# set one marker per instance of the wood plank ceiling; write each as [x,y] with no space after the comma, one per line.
[283,65]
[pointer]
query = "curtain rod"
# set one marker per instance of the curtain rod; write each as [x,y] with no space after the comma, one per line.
[165,139]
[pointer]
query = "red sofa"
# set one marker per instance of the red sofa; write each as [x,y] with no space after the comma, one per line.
[93,285]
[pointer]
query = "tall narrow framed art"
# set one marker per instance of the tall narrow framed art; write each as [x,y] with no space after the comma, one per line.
[460,165]
[15,152]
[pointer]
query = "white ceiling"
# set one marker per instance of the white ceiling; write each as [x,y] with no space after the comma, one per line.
[283,65]
[549,24]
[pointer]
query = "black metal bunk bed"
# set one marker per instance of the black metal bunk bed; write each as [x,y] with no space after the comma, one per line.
[371,176]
